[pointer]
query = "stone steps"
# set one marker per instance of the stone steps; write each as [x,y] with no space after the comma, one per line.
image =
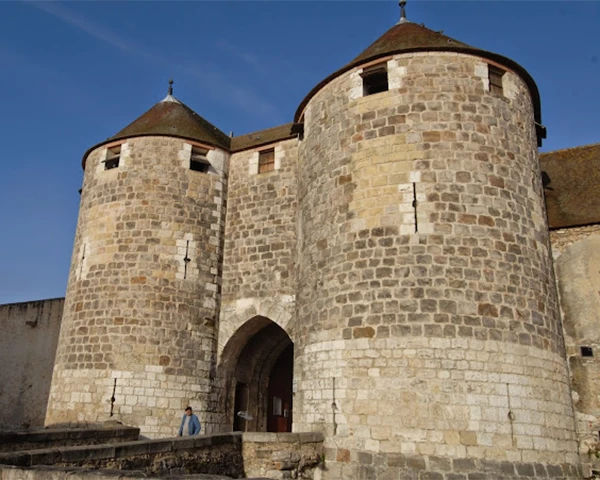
[64,437]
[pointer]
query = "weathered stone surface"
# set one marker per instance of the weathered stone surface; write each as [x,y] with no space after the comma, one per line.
[154,458]
[50,438]
[178,458]
[578,276]
[75,473]
[142,301]
[259,280]
[27,370]
[401,245]
[425,284]
[266,455]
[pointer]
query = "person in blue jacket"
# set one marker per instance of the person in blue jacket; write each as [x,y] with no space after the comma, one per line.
[190,425]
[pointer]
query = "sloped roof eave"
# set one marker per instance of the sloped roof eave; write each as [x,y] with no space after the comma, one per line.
[117,138]
[170,119]
[507,62]
[571,191]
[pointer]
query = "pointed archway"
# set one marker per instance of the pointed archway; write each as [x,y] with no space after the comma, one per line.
[257,368]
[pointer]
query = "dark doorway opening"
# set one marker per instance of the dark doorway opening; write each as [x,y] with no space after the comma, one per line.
[241,405]
[260,360]
[279,415]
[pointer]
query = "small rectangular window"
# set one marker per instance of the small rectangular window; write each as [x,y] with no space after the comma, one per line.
[375,80]
[266,161]
[587,352]
[495,76]
[113,154]
[198,160]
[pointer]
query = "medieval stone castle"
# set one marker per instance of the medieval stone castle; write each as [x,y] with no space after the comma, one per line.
[397,268]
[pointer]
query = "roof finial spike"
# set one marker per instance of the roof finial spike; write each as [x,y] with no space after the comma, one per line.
[170,86]
[402,4]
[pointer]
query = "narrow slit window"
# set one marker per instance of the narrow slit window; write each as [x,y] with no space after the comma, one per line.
[375,80]
[266,161]
[198,160]
[587,352]
[495,75]
[113,155]
[414,205]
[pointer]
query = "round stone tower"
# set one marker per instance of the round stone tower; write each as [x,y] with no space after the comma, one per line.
[137,339]
[429,340]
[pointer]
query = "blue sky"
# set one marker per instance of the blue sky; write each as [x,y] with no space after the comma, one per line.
[74,73]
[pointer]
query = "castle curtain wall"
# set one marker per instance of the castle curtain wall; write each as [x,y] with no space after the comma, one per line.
[27,350]
[578,276]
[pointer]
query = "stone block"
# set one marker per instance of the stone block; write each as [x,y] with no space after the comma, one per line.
[41,472]
[18,459]
[131,449]
[554,471]
[76,455]
[463,465]
[277,474]
[364,458]
[159,446]
[540,471]
[440,464]
[224,438]
[259,437]
[431,476]
[201,441]
[525,470]
[415,463]
[183,443]
[342,455]
[45,457]
[288,438]
[479,476]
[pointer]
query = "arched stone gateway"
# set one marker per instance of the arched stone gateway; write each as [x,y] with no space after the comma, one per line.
[256,374]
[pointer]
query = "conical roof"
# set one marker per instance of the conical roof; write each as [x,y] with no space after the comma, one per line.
[407,37]
[172,118]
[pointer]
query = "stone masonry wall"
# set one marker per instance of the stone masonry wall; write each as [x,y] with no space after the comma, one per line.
[261,230]
[141,309]
[578,278]
[260,253]
[27,349]
[562,238]
[216,454]
[428,330]
[49,438]
[282,455]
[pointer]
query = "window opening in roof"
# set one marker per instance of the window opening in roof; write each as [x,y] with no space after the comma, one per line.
[375,80]
[113,155]
[495,75]
[266,161]
[198,160]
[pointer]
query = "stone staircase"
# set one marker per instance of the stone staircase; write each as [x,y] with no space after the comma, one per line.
[110,453]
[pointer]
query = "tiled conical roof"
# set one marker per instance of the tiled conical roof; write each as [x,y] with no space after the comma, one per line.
[407,37]
[172,118]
